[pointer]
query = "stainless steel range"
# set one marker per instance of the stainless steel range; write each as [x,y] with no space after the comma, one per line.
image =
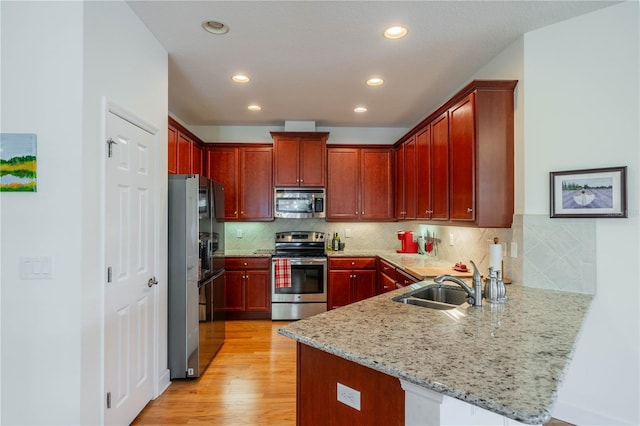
[299,275]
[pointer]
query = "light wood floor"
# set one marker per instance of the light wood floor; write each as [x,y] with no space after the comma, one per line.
[252,381]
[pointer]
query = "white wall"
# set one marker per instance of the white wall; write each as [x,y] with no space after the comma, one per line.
[582,111]
[41,326]
[58,60]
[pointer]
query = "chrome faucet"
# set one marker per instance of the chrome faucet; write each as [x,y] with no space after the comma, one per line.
[475,293]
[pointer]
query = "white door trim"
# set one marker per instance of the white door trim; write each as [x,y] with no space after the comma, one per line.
[109,106]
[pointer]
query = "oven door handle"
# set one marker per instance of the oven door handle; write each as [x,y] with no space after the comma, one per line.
[307,261]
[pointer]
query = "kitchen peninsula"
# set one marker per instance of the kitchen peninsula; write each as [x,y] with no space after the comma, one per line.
[507,359]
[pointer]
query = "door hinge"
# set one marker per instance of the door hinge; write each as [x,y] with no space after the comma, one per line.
[109,273]
[110,142]
[108,399]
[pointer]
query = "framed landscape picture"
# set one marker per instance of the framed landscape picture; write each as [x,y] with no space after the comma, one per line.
[18,162]
[589,193]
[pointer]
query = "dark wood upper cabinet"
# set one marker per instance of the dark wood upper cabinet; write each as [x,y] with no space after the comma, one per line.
[246,172]
[432,171]
[464,151]
[406,180]
[172,150]
[359,184]
[343,184]
[462,168]
[184,150]
[299,159]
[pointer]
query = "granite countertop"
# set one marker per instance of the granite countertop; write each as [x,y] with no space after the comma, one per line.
[507,358]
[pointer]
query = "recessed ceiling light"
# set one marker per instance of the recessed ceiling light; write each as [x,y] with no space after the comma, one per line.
[240,78]
[254,107]
[215,27]
[375,81]
[395,32]
[360,109]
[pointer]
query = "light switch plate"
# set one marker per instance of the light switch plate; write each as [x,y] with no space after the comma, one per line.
[36,268]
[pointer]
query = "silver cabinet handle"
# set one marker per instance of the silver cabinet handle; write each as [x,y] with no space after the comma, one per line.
[469,209]
[152,281]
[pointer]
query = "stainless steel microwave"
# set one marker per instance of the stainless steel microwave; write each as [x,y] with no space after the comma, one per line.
[299,203]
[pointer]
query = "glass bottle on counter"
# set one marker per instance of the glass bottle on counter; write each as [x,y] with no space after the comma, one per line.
[336,242]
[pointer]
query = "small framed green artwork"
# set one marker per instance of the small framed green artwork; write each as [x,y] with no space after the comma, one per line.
[18,162]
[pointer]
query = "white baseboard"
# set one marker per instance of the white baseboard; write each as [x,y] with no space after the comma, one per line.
[584,416]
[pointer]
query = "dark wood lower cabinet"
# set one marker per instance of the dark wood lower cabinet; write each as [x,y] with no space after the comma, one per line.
[248,288]
[351,279]
[381,396]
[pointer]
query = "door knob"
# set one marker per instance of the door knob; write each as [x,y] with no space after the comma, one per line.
[152,281]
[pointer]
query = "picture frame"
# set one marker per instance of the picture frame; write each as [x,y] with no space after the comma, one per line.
[18,162]
[589,193]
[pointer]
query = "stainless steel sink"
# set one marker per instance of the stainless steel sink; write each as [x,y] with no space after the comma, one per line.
[435,296]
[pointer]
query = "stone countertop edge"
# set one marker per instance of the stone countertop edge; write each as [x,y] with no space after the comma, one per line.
[506,358]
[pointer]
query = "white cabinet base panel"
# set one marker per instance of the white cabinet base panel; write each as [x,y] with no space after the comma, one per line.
[427,408]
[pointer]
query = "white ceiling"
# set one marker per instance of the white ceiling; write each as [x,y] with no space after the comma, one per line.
[309,60]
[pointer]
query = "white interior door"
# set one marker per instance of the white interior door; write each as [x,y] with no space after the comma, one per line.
[130,292]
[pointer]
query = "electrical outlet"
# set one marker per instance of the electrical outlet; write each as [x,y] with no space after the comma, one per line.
[239,233]
[451,239]
[514,249]
[348,396]
[347,233]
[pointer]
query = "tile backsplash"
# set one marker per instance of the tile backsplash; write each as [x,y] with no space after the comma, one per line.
[554,254]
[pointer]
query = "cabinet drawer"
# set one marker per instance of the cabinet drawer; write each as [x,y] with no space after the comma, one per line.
[387,269]
[404,279]
[352,263]
[247,263]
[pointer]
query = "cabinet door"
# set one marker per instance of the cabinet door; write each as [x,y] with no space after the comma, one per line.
[234,291]
[440,168]
[222,166]
[342,183]
[313,154]
[410,179]
[339,288]
[257,291]
[364,285]
[376,188]
[286,171]
[462,159]
[184,154]
[172,150]
[406,180]
[399,178]
[196,159]
[423,173]
[256,183]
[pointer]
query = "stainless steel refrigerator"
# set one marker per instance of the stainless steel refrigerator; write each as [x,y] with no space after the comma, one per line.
[196,274]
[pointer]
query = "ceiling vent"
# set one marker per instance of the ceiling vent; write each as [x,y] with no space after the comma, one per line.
[299,126]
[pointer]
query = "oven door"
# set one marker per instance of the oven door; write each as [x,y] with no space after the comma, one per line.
[308,281]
